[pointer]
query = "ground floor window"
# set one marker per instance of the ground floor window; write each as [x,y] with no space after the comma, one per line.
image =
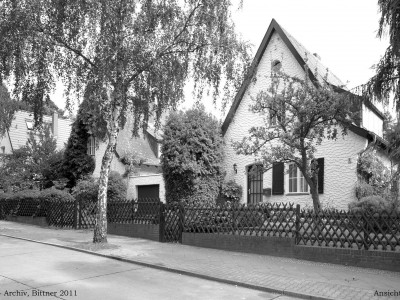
[297,182]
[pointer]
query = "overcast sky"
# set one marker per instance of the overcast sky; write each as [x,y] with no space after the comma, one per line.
[342,32]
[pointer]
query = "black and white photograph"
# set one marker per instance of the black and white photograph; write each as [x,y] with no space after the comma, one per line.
[199,149]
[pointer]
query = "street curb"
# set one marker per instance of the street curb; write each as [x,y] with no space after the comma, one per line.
[183,272]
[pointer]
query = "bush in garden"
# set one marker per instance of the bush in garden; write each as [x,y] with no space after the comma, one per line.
[117,188]
[231,191]
[372,203]
[86,190]
[54,195]
[192,157]
[364,189]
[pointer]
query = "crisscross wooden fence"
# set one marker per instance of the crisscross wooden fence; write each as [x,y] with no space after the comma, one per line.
[358,230]
[329,228]
[141,211]
[266,219]
[82,214]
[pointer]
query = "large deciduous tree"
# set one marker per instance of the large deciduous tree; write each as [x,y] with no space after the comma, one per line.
[298,116]
[127,57]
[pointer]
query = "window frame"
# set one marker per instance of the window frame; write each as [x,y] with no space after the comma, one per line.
[276,115]
[91,146]
[300,183]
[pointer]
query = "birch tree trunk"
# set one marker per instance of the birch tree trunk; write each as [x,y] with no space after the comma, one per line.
[100,230]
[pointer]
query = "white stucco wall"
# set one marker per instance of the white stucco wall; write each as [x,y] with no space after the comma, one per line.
[340,156]
[371,121]
[145,179]
[340,174]
[116,165]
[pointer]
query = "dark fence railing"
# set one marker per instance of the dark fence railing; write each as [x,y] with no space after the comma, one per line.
[329,228]
[359,230]
[140,211]
[82,214]
[266,219]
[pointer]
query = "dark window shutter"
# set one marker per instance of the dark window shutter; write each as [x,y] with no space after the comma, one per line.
[277,179]
[320,175]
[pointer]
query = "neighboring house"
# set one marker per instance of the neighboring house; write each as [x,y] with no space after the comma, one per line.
[144,180]
[338,159]
[18,133]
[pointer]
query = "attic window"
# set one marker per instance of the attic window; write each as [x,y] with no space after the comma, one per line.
[29,124]
[3,150]
[276,65]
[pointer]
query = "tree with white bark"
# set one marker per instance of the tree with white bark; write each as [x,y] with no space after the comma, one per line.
[128,58]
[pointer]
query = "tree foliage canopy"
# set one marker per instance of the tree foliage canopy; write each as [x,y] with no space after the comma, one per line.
[125,57]
[142,51]
[192,153]
[385,82]
[34,165]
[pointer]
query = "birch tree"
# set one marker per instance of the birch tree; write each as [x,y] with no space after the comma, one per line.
[126,57]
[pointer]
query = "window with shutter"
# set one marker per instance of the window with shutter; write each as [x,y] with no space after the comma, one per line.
[278,179]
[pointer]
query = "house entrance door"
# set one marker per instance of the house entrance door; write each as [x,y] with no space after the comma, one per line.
[254,184]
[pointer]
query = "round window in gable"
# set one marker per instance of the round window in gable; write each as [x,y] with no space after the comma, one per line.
[276,65]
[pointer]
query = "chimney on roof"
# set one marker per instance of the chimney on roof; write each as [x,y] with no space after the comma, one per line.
[54,124]
[317,56]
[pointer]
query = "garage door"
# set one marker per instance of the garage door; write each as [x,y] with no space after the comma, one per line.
[149,191]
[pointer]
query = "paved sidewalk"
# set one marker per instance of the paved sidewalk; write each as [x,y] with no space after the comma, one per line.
[309,280]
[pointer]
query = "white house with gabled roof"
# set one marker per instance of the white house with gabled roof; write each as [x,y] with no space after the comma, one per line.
[337,159]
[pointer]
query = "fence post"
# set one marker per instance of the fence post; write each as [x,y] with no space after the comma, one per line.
[161,224]
[62,213]
[297,237]
[79,213]
[365,221]
[76,214]
[181,220]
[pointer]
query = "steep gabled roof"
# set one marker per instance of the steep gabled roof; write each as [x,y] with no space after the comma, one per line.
[317,72]
[140,145]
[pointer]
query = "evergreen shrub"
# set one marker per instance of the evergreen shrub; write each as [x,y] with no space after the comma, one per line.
[192,153]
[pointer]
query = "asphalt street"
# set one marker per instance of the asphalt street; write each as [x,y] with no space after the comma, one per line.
[35,271]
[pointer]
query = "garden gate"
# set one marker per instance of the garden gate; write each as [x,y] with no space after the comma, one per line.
[171,222]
